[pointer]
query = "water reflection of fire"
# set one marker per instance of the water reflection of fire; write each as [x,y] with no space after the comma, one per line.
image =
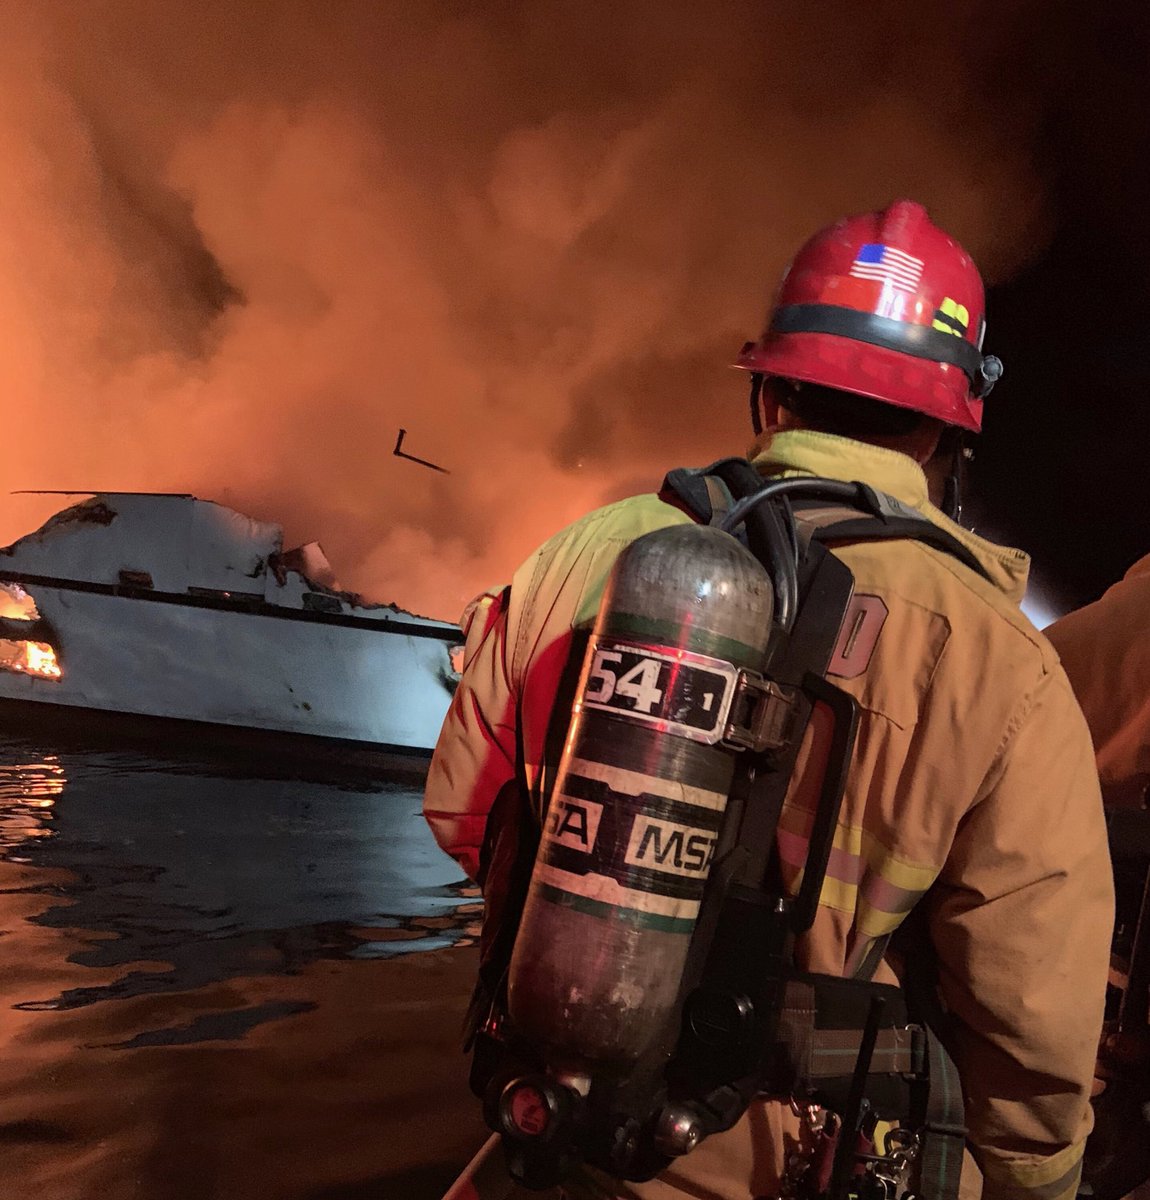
[29,789]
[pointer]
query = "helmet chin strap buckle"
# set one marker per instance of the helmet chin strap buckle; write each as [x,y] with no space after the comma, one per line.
[990,372]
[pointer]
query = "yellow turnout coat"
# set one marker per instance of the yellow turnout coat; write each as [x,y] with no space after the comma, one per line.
[973,777]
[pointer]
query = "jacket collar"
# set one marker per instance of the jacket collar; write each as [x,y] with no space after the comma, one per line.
[808,452]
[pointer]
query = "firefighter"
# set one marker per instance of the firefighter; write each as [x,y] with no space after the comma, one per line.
[972,788]
[1105,649]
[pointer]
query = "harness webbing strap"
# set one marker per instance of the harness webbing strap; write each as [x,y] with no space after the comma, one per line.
[692,487]
[890,519]
[936,1097]
[942,1131]
[871,529]
[820,1051]
[720,498]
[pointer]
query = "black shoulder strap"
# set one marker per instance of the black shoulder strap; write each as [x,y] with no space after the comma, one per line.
[885,518]
[869,528]
[701,490]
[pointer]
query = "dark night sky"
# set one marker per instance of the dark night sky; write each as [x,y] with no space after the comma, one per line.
[1062,463]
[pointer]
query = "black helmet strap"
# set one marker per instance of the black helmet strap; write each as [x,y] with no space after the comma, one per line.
[756,396]
[921,341]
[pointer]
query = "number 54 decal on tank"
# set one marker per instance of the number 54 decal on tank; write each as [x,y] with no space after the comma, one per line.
[676,691]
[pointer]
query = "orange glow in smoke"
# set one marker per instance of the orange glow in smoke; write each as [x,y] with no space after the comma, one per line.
[532,236]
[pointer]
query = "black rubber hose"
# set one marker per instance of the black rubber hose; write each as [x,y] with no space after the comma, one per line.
[781,548]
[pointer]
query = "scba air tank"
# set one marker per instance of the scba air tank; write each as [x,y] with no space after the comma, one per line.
[639,798]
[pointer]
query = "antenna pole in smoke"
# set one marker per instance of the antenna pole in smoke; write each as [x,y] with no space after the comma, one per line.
[400,453]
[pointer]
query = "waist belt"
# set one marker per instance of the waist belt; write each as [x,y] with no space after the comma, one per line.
[911,1077]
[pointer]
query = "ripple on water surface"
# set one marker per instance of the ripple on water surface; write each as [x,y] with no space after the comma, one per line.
[226,983]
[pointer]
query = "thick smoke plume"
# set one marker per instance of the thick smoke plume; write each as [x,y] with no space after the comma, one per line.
[241,244]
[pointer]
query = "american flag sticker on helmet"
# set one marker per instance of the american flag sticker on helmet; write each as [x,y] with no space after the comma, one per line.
[887,265]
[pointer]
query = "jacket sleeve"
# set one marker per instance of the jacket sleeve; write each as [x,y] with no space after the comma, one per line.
[1105,651]
[475,754]
[1022,924]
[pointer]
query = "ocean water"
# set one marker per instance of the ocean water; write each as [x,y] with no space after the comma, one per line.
[226,982]
[237,982]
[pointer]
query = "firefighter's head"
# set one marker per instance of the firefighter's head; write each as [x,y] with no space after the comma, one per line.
[877,328]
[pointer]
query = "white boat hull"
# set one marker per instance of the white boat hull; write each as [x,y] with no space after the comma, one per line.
[375,683]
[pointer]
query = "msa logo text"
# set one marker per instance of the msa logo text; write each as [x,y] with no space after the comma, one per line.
[667,846]
[574,823]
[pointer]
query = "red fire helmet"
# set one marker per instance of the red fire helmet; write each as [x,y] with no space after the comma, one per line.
[884,305]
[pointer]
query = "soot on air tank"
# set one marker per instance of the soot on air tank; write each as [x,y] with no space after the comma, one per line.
[639,799]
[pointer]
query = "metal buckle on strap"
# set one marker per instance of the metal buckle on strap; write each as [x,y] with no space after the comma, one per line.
[763,714]
[919,1052]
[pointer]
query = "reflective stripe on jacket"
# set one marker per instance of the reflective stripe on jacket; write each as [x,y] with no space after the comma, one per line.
[973,775]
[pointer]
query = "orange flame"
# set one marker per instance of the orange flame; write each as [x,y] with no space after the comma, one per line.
[29,658]
[16,604]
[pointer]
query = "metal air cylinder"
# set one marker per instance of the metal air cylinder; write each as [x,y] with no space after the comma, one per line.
[638,801]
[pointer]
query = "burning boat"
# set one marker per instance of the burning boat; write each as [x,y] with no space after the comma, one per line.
[164,613]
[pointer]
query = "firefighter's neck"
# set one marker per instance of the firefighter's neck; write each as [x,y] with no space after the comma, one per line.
[937,469]
[921,445]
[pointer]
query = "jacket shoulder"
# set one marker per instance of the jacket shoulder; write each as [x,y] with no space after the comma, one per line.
[953,650]
[931,578]
[599,531]
[628,518]
[559,587]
